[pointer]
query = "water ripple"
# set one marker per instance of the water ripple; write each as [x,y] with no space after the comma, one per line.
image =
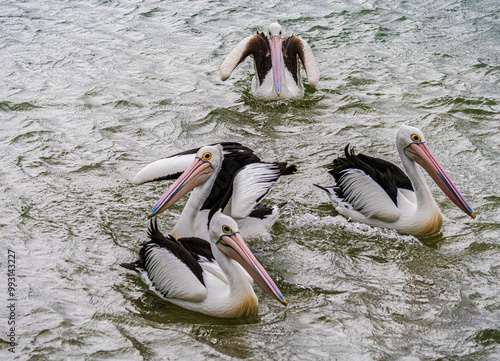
[93,91]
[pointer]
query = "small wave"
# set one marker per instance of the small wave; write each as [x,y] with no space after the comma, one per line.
[16,107]
[309,220]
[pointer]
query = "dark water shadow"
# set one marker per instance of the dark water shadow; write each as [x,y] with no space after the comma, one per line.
[310,101]
[153,309]
[230,337]
[434,241]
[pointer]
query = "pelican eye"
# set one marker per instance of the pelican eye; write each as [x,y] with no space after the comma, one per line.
[206,156]
[415,138]
[227,229]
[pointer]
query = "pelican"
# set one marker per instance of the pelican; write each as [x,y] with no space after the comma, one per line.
[226,171]
[203,276]
[373,191]
[277,64]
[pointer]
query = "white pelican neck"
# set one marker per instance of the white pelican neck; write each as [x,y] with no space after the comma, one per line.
[421,188]
[185,224]
[242,300]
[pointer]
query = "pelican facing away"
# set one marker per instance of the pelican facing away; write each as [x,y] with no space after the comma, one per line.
[277,64]
[226,174]
[205,276]
[373,191]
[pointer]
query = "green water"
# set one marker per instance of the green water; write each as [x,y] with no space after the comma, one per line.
[91,91]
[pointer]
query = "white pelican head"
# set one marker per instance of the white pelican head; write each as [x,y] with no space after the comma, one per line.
[275,29]
[411,142]
[225,233]
[207,159]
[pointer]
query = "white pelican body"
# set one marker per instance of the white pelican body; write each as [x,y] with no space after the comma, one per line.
[290,89]
[277,64]
[228,173]
[372,191]
[206,277]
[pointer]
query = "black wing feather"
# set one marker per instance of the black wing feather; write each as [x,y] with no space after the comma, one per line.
[234,160]
[389,176]
[292,51]
[197,247]
[258,47]
[259,211]
[158,240]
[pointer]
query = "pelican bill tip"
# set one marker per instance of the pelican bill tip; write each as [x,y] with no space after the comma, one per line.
[472,215]
[281,299]
[154,212]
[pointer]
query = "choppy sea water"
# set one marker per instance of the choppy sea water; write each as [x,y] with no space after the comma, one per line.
[91,91]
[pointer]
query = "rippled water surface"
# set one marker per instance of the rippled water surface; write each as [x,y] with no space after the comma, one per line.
[91,91]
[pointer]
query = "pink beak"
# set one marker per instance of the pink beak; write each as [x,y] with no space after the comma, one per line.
[197,173]
[276,54]
[234,246]
[421,154]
